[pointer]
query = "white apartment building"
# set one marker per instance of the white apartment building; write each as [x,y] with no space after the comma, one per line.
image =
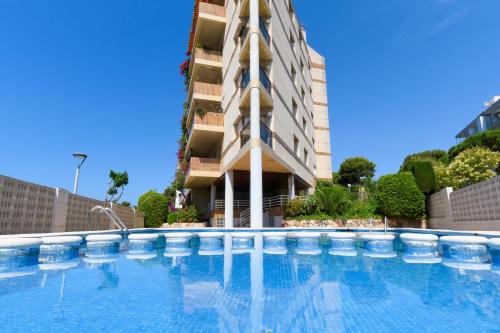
[258,112]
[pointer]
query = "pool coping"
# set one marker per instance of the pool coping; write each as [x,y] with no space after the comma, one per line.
[290,231]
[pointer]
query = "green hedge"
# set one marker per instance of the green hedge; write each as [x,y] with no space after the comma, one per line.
[188,215]
[424,175]
[488,139]
[399,196]
[154,206]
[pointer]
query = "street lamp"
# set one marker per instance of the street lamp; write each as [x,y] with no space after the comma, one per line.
[82,157]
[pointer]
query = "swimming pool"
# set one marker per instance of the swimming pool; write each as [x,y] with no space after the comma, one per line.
[241,290]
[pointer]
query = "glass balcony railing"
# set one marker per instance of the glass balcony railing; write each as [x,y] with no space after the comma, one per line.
[265,134]
[264,79]
[264,32]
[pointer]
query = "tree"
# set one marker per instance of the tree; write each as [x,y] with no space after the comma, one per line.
[354,170]
[432,156]
[118,181]
[170,194]
[154,206]
[399,196]
[125,204]
[471,166]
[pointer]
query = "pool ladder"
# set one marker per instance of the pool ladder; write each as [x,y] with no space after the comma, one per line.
[111,215]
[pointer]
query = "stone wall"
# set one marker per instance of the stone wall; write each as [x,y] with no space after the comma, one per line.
[360,223]
[475,207]
[30,208]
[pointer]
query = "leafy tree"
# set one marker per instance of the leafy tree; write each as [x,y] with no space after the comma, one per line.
[154,206]
[471,166]
[489,139]
[335,178]
[355,170]
[125,204]
[433,156]
[170,194]
[399,196]
[118,181]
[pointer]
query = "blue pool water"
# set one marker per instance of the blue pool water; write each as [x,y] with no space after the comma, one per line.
[252,292]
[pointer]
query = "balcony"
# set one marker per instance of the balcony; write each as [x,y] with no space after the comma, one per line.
[209,25]
[266,135]
[206,132]
[265,84]
[202,171]
[264,8]
[264,43]
[204,62]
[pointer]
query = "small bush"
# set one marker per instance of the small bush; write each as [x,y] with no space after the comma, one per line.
[294,208]
[334,200]
[172,218]
[188,215]
[154,206]
[362,209]
[399,196]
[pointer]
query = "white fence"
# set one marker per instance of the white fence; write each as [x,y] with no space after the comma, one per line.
[476,207]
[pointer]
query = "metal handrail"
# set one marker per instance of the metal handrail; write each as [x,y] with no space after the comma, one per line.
[112,216]
[266,134]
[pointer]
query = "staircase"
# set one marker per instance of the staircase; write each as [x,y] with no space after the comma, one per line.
[267,203]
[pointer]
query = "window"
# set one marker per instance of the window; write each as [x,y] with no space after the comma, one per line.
[295,108]
[302,66]
[303,95]
[292,41]
[306,156]
[294,75]
[295,145]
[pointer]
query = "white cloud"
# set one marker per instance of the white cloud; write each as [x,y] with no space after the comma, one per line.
[451,19]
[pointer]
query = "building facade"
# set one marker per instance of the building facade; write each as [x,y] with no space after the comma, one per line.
[258,112]
[488,119]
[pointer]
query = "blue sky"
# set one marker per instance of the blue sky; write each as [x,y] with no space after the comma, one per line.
[101,76]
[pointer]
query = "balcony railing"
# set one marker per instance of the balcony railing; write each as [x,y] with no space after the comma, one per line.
[200,53]
[204,164]
[264,32]
[264,79]
[265,134]
[209,118]
[211,89]
[211,9]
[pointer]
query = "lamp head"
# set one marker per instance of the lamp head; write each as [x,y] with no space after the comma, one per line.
[80,155]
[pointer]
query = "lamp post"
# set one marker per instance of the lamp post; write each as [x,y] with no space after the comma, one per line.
[82,157]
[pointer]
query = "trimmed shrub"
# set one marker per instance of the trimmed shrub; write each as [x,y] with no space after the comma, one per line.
[399,196]
[188,214]
[362,209]
[172,218]
[488,139]
[334,200]
[154,206]
[424,175]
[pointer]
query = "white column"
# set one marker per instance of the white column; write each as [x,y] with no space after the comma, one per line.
[291,186]
[256,150]
[213,192]
[229,199]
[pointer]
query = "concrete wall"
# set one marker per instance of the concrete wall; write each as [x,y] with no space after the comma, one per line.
[31,208]
[476,207]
